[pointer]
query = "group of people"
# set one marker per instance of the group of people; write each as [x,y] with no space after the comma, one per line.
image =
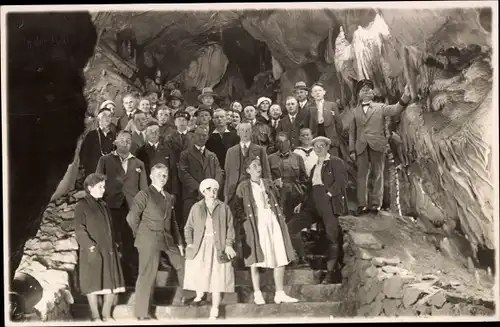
[218,191]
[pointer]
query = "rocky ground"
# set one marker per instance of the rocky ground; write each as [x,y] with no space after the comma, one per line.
[392,270]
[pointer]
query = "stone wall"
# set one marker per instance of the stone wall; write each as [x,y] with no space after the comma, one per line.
[391,270]
[51,257]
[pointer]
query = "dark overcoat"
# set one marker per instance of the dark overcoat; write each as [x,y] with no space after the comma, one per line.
[101,268]
[246,209]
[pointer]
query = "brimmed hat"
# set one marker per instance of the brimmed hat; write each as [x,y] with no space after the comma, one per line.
[182,114]
[206,91]
[301,86]
[206,183]
[322,138]
[175,94]
[364,82]
[202,109]
[105,103]
[262,99]
[102,110]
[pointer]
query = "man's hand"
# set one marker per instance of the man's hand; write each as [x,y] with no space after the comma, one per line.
[230,252]
[352,155]
[92,248]
[279,182]
[181,249]
[407,91]
[297,208]
[329,194]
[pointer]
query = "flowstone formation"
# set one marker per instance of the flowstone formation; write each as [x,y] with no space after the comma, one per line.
[440,169]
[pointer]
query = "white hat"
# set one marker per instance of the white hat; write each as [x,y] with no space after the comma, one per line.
[322,138]
[105,103]
[207,183]
[262,99]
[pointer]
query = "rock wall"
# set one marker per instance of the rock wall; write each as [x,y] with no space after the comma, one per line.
[51,257]
[392,270]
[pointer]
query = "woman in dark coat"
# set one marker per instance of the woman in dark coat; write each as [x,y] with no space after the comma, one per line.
[266,242]
[100,272]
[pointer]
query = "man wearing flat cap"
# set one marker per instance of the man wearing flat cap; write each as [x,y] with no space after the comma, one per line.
[325,199]
[324,118]
[97,142]
[367,143]
[301,91]
[178,141]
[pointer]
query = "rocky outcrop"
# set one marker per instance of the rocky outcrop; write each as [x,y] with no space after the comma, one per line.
[391,270]
[51,256]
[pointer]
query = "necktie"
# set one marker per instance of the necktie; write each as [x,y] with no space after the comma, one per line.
[182,138]
[292,119]
[130,116]
[163,194]
[245,150]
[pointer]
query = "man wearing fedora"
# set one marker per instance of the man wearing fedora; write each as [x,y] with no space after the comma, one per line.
[207,98]
[175,101]
[324,118]
[367,143]
[325,199]
[301,91]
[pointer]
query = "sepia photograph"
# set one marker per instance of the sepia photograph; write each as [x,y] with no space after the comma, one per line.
[250,163]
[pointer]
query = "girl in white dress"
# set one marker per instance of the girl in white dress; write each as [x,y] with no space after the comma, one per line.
[266,242]
[209,234]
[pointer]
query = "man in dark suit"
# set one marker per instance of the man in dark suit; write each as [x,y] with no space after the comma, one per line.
[130,105]
[97,142]
[369,120]
[221,139]
[292,122]
[261,132]
[126,176]
[325,197]
[235,173]
[165,121]
[301,91]
[324,118]
[178,141]
[138,131]
[155,229]
[156,151]
[196,164]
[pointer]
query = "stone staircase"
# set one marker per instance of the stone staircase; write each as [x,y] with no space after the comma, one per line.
[316,300]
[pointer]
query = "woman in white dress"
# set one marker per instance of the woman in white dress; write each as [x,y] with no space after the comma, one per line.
[209,234]
[266,241]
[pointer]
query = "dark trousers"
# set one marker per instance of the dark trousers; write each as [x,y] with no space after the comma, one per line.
[322,206]
[148,268]
[179,208]
[125,240]
[238,262]
[377,161]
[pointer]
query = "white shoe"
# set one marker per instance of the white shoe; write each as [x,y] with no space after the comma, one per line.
[281,297]
[258,298]
[214,313]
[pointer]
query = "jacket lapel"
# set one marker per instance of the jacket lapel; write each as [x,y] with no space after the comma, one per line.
[195,153]
[369,112]
[327,113]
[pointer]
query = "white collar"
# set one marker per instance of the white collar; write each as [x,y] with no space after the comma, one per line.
[155,144]
[292,116]
[247,144]
[183,133]
[320,101]
[302,102]
[253,121]
[139,132]
[200,148]
[156,188]
[217,132]
[130,155]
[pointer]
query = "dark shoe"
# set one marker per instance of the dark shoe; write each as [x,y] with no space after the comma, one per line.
[333,277]
[145,318]
[200,303]
[374,210]
[361,211]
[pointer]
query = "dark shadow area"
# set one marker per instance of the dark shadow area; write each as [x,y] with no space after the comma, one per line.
[46,55]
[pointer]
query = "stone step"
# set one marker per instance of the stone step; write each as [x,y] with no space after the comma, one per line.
[242,294]
[235,311]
